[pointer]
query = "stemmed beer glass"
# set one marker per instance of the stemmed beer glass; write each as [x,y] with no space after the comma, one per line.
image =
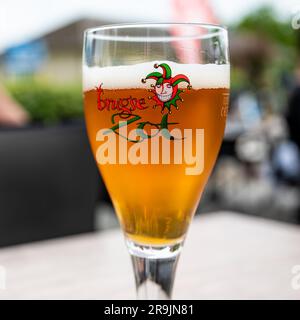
[155,102]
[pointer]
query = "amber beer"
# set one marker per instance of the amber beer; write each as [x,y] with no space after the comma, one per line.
[155,202]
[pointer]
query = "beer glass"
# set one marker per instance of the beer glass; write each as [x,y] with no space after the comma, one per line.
[155,103]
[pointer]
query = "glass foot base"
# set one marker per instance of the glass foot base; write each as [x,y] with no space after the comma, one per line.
[154,269]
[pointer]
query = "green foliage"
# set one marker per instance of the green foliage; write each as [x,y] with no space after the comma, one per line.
[281,38]
[265,22]
[48,103]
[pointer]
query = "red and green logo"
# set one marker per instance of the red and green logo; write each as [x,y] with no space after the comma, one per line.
[166,90]
[166,95]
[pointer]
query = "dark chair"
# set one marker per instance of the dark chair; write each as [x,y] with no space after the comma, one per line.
[48,183]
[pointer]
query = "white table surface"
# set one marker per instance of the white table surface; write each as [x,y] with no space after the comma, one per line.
[226,256]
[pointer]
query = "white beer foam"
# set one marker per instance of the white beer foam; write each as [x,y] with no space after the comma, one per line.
[125,77]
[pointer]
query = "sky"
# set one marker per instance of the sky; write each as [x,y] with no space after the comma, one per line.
[21,20]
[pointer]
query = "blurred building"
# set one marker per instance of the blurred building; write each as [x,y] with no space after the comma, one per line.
[54,56]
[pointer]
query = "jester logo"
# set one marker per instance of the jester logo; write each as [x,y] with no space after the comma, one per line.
[166,91]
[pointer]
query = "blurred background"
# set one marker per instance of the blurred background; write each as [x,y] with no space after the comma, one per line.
[49,184]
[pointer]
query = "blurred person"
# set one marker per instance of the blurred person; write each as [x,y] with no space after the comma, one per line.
[11,113]
[293,112]
[293,117]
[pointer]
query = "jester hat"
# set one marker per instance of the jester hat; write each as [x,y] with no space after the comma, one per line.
[166,76]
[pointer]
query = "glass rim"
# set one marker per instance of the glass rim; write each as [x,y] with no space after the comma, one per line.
[91,32]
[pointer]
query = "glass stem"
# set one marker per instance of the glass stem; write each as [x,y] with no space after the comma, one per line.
[154,269]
